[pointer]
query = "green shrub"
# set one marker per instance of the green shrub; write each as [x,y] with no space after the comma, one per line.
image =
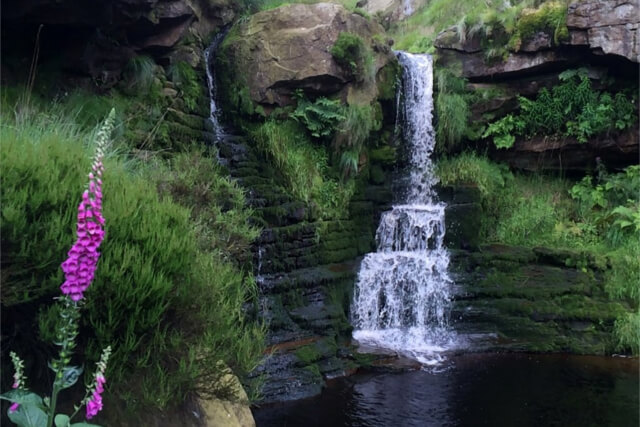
[171,310]
[550,17]
[194,179]
[547,211]
[571,108]
[470,169]
[351,53]
[627,332]
[359,122]
[188,82]
[139,73]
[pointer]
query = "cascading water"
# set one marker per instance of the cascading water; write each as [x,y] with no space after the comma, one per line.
[209,56]
[402,294]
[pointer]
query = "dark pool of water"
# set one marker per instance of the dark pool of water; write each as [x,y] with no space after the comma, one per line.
[514,390]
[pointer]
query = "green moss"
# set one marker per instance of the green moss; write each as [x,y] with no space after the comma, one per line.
[550,17]
[387,81]
[385,155]
[352,54]
[233,89]
[308,354]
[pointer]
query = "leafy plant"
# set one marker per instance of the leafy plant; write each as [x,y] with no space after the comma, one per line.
[187,81]
[28,409]
[171,303]
[321,117]
[571,108]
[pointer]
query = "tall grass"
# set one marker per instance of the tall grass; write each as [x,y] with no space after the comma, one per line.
[452,107]
[272,4]
[304,166]
[172,309]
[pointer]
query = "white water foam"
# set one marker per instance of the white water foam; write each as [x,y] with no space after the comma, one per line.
[402,294]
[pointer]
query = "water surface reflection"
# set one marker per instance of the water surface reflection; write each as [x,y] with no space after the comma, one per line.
[478,390]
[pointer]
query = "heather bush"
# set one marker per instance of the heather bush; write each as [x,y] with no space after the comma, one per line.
[173,310]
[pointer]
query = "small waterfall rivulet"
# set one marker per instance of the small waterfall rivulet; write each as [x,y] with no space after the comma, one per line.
[402,294]
[209,56]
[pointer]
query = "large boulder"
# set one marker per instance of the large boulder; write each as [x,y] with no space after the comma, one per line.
[275,52]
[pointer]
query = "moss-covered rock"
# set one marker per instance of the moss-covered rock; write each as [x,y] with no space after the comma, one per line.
[531,300]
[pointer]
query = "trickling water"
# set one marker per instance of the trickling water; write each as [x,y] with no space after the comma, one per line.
[209,56]
[402,294]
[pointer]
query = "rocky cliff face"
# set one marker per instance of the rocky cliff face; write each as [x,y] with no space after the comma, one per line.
[602,36]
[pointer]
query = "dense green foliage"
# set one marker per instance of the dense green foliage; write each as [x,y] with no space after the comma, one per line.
[166,297]
[571,108]
[351,53]
[304,166]
[598,215]
[318,148]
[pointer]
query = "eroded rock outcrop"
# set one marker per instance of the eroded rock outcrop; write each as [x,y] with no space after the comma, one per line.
[607,27]
[595,28]
[601,37]
[275,52]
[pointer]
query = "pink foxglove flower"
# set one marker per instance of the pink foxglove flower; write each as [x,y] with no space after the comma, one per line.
[94,403]
[14,407]
[80,266]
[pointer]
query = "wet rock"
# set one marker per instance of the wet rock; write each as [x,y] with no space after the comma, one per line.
[524,299]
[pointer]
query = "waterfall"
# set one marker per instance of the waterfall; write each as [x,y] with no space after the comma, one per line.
[209,56]
[402,293]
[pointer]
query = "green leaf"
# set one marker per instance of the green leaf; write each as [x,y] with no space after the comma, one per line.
[62,420]
[28,415]
[23,397]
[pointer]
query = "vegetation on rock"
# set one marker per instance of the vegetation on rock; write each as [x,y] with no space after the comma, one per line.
[351,52]
[498,25]
[598,215]
[571,108]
